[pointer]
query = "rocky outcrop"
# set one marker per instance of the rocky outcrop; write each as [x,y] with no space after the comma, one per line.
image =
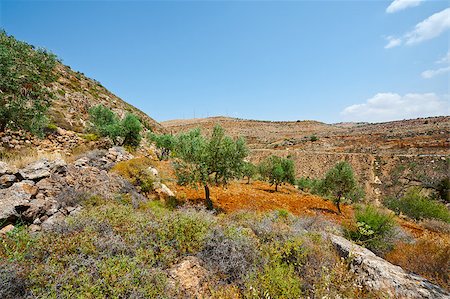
[378,274]
[190,275]
[44,192]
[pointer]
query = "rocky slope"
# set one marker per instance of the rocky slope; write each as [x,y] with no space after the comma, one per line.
[76,94]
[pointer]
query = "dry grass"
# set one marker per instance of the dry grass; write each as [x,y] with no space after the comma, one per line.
[429,256]
[20,159]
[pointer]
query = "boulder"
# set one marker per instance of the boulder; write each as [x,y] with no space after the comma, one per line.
[190,276]
[378,274]
[6,229]
[36,170]
[7,180]
[14,200]
[6,169]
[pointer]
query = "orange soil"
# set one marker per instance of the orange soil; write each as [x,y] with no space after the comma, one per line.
[260,196]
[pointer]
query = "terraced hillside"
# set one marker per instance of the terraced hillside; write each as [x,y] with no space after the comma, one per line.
[387,157]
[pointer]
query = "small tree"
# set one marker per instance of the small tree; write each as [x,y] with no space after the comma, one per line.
[339,183]
[249,170]
[277,170]
[164,142]
[106,123]
[204,161]
[130,130]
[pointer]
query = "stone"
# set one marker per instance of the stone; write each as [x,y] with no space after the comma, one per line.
[7,180]
[162,190]
[190,276]
[13,201]
[53,220]
[36,170]
[6,229]
[153,171]
[34,228]
[378,274]
[6,168]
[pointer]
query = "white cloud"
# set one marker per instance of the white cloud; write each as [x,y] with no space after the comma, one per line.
[439,71]
[428,74]
[444,59]
[429,28]
[398,5]
[392,106]
[392,42]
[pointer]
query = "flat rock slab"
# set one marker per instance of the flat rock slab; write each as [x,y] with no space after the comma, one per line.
[378,274]
[13,199]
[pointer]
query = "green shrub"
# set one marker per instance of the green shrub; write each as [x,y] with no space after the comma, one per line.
[307,184]
[418,206]
[313,138]
[373,229]
[276,280]
[16,244]
[25,76]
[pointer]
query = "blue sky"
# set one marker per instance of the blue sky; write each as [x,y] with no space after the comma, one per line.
[324,60]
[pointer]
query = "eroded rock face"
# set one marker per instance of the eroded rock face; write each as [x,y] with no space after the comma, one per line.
[13,200]
[378,274]
[42,169]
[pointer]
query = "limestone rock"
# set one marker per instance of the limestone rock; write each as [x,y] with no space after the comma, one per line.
[14,200]
[7,180]
[190,276]
[6,169]
[6,229]
[36,170]
[378,274]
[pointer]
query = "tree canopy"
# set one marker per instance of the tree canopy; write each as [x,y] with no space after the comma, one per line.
[203,161]
[277,170]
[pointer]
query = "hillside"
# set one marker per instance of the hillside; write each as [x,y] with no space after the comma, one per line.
[75,94]
[387,157]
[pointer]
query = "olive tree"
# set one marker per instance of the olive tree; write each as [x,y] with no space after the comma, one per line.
[205,161]
[277,170]
[339,183]
[249,170]
[164,142]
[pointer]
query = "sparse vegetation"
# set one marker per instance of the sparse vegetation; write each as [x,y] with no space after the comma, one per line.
[25,77]
[419,206]
[277,170]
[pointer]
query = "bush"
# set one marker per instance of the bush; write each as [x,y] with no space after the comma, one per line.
[165,143]
[373,229]
[418,206]
[136,172]
[307,184]
[12,284]
[249,170]
[25,76]
[429,257]
[231,252]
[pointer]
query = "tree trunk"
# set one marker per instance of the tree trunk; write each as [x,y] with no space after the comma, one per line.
[338,204]
[248,182]
[276,187]
[209,203]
